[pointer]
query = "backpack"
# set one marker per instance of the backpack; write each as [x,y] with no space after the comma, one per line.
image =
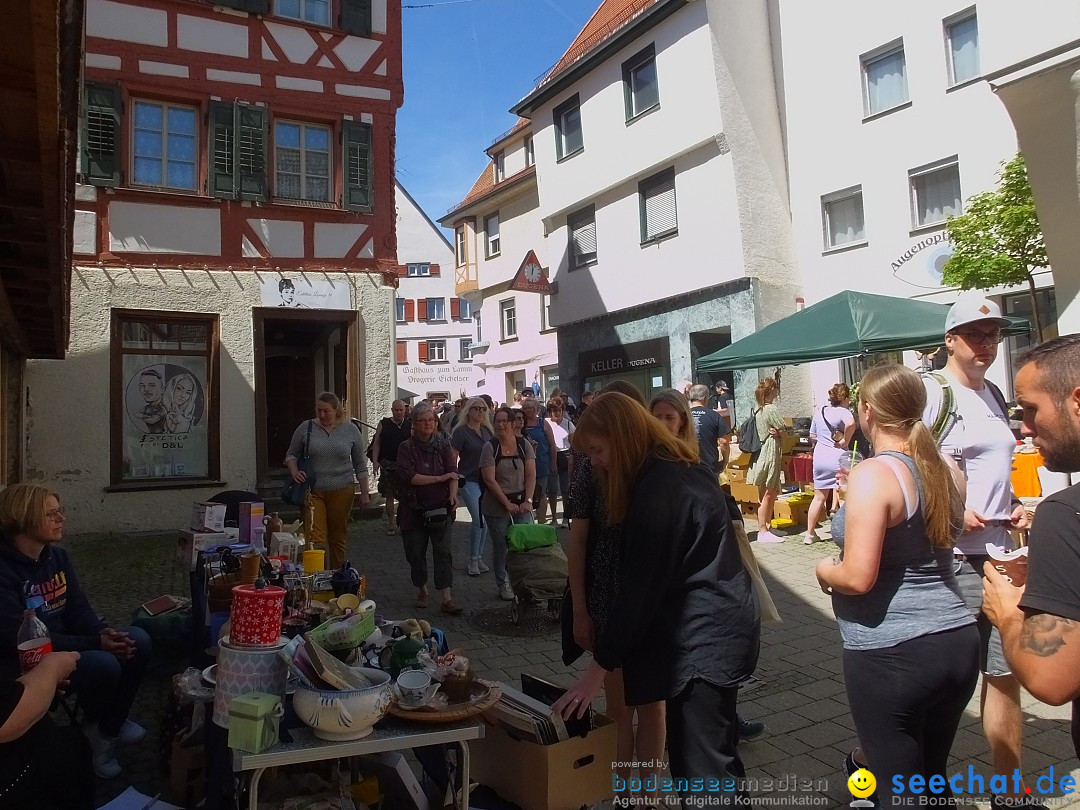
[497,447]
[749,440]
[947,417]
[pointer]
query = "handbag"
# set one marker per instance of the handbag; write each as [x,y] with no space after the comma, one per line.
[296,492]
[836,434]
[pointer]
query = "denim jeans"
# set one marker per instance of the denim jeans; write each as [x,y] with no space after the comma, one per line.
[107,686]
[498,526]
[470,493]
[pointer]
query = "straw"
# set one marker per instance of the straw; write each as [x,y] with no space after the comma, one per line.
[854,447]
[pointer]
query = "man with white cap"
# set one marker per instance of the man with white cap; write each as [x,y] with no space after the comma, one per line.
[968,416]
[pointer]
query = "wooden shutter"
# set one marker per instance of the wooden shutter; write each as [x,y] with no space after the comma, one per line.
[423,351]
[358,175]
[402,352]
[253,6]
[658,216]
[101,135]
[252,137]
[421,308]
[410,310]
[356,17]
[455,308]
[222,159]
[434,269]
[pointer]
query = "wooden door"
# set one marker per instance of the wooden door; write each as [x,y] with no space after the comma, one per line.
[290,399]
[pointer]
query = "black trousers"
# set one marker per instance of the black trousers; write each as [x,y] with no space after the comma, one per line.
[416,541]
[61,770]
[907,700]
[703,731]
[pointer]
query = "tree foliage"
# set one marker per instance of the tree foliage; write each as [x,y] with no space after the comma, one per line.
[998,240]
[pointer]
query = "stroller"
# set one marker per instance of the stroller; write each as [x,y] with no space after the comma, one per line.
[536,565]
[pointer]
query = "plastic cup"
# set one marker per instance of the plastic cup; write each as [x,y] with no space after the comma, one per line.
[847,463]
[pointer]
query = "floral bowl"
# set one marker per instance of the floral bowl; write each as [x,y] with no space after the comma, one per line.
[344,715]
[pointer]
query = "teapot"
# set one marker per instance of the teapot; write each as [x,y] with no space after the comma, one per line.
[400,655]
[273,523]
[345,580]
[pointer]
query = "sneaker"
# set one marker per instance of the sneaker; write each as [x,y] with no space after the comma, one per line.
[104,752]
[506,592]
[474,567]
[769,537]
[483,569]
[131,733]
[809,538]
[1026,802]
[850,766]
[750,730]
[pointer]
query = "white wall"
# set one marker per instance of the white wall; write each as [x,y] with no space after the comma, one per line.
[69,400]
[1014,33]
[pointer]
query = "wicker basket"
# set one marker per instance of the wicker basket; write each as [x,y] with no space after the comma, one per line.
[344,633]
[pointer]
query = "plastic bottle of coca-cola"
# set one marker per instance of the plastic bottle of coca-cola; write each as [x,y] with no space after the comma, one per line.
[33,641]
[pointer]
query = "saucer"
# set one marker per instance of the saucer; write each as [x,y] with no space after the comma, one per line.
[208,674]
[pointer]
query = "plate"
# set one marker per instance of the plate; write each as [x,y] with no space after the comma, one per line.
[208,674]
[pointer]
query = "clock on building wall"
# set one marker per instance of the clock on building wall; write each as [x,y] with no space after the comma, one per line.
[531,277]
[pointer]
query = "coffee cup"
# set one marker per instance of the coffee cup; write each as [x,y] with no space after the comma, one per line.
[413,687]
[1012,565]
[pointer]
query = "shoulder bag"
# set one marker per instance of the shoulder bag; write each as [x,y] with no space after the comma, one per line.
[296,492]
[836,434]
[749,440]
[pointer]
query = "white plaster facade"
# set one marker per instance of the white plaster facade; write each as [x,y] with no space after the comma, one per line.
[427,262]
[69,400]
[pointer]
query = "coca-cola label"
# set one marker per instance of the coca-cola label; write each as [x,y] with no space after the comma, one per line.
[30,652]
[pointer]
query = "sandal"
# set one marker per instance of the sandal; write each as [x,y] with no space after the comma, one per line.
[450,608]
[421,601]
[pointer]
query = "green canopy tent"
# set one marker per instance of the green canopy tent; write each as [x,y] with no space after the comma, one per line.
[845,325]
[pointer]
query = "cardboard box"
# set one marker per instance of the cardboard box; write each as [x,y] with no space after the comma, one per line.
[563,776]
[207,516]
[398,784]
[736,475]
[189,544]
[743,492]
[795,511]
[251,518]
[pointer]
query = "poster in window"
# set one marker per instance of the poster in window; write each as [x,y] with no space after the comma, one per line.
[165,417]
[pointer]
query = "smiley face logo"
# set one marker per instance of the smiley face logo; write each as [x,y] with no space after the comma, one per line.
[861,783]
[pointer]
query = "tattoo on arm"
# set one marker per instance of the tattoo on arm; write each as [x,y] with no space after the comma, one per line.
[1044,633]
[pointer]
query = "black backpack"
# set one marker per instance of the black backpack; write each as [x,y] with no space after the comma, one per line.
[749,440]
[496,445]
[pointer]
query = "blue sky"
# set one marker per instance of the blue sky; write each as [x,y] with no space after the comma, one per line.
[465,64]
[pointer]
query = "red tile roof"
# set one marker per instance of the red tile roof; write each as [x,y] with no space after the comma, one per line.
[606,20]
[485,184]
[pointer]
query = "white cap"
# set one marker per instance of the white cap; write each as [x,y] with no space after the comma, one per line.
[971,309]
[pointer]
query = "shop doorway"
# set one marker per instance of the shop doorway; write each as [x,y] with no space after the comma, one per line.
[298,355]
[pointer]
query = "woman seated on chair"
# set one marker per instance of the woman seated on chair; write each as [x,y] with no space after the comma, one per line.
[41,764]
[36,574]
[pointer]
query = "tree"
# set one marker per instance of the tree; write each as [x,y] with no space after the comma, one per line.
[998,241]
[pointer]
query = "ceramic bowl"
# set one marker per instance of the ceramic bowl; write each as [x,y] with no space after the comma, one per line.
[344,715]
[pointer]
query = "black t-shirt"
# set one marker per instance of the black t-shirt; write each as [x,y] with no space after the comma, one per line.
[1053,580]
[391,437]
[715,401]
[709,427]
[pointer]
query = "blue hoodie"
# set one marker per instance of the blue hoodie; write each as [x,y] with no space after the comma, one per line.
[49,586]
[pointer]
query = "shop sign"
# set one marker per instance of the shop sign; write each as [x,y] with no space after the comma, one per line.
[300,292]
[628,357]
[531,277]
[929,270]
[435,377]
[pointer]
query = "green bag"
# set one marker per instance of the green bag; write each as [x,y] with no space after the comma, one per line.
[527,536]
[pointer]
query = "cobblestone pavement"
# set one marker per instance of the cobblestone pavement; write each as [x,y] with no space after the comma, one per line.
[800,696]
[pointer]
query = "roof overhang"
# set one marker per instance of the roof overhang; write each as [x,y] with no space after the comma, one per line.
[552,86]
[40,67]
[509,189]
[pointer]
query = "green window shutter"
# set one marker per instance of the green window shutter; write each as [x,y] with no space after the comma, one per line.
[253,6]
[101,135]
[356,17]
[359,195]
[253,136]
[222,150]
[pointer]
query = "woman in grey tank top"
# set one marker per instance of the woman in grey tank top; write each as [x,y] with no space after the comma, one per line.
[910,644]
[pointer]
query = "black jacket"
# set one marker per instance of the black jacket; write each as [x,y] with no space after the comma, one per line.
[685,607]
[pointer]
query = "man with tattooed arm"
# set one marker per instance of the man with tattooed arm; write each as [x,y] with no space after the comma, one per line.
[1040,622]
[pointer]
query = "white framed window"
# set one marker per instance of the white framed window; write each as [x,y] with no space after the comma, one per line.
[491,236]
[399,310]
[459,245]
[418,269]
[464,310]
[641,91]
[884,78]
[581,235]
[302,161]
[164,145]
[568,136]
[466,350]
[508,317]
[842,218]
[436,309]
[545,312]
[935,193]
[499,165]
[530,152]
[436,351]
[962,47]
[659,217]
[312,11]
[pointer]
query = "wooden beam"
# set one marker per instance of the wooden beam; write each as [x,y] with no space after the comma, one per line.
[23,265]
[21,202]
[22,236]
[20,152]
